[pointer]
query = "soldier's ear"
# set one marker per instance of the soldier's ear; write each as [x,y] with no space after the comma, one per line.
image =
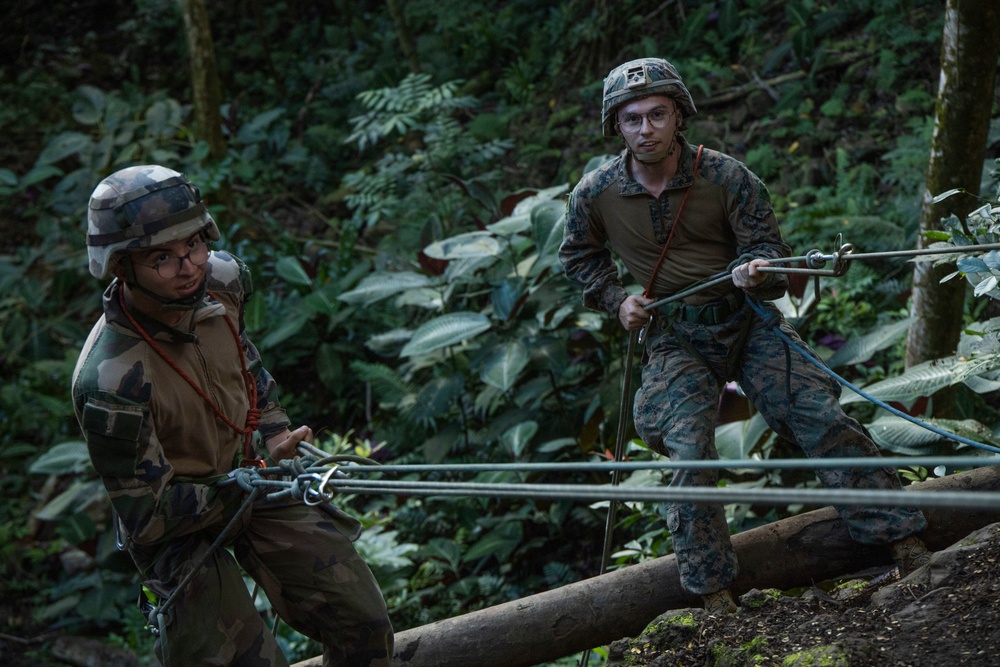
[118,267]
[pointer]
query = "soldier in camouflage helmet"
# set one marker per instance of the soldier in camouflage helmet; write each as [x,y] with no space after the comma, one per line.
[676,215]
[171,397]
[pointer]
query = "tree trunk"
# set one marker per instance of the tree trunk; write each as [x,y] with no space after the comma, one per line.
[206,89]
[793,552]
[406,41]
[961,126]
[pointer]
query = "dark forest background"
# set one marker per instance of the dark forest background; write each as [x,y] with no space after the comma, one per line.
[394,173]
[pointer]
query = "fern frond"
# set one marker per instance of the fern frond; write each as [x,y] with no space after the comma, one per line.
[386,384]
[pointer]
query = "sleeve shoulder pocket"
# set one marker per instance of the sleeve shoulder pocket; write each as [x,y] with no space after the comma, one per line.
[112,437]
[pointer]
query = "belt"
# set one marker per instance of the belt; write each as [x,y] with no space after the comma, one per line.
[713,312]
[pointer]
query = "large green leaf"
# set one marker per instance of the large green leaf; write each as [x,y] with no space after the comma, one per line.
[80,495]
[291,324]
[736,440]
[88,107]
[517,437]
[62,146]
[437,447]
[464,246]
[920,380]
[290,269]
[65,458]
[547,222]
[445,330]
[389,343]
[421,297]
[437,397]
[861,349]
[904,437]
[505,298]
[382,285]
[499,542]
[525,206]
[982,385]
[983,364]
[504,365]
[511,225]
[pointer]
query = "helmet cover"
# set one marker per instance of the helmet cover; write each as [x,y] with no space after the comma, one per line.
[641,78]
[142,206]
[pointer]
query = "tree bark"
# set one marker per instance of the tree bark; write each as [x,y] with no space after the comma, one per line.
[793,552]
[206,89]
[406,42]
[961,126]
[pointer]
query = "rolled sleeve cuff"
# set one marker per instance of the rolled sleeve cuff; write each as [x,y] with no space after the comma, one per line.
[612,298]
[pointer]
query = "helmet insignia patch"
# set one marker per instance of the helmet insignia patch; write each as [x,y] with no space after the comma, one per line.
[636,77]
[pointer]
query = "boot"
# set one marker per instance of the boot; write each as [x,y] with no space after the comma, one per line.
[909,554]
[719,602]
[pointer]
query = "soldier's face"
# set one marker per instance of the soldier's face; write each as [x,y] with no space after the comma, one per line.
[173,270]
[649,125]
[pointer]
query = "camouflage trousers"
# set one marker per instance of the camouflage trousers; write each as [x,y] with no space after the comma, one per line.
[676,412]
[303,559]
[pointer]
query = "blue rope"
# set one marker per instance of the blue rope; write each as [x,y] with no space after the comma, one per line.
[770,319]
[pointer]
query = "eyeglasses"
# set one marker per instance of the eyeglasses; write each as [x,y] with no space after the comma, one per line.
[169,265]
[658,118]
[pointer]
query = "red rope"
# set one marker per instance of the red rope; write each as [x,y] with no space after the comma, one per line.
[253,414]
[677,218]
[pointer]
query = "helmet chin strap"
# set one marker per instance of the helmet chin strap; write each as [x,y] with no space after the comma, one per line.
[185,303]
[658,156]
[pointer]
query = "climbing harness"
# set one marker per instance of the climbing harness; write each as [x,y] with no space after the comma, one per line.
[309,480]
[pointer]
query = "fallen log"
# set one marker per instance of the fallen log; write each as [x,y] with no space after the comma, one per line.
[811,547]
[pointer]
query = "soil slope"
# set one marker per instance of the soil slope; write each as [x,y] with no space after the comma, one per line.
[944,614]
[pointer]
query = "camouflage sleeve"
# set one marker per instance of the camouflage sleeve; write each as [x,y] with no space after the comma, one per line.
[757,234]
[587,259]
[273,419]
[127,454]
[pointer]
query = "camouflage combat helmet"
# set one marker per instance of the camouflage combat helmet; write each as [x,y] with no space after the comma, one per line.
[138,207]
[641,78]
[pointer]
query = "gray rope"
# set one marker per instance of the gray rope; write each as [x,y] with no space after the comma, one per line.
[953,462]
[726,495]
[816,260]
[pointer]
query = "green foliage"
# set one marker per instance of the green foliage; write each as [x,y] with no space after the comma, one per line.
[402,232]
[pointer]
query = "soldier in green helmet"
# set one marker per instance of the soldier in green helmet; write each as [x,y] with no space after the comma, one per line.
[171,397]
[676,214]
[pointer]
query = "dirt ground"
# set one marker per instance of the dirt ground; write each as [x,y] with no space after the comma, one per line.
[945,614]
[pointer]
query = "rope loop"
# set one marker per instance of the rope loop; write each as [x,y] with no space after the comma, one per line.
[745,258]
[246,477]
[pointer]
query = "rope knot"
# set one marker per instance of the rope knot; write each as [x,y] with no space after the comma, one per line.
[245,477]
[253,419]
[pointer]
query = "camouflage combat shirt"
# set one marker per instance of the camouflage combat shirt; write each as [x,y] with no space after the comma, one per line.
[727,215]
[156,443]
